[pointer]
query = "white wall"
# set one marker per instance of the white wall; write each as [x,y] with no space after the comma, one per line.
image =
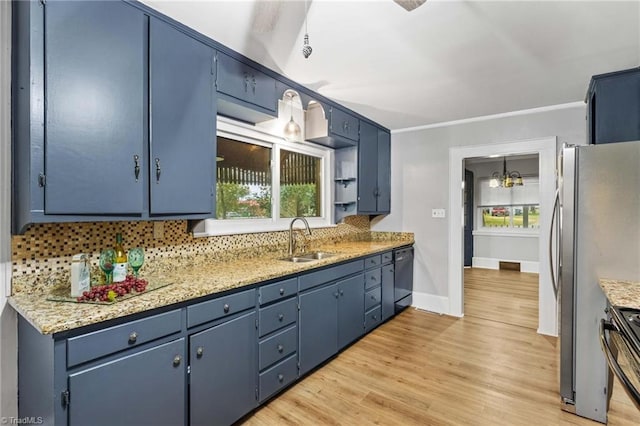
[8,341]
[419,182]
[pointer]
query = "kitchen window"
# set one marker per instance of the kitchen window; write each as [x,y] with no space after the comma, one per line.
[262,181]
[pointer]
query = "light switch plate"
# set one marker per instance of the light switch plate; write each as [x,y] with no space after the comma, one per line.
[438,213]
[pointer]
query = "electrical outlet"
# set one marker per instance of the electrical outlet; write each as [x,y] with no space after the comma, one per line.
[158,230]
[438,213]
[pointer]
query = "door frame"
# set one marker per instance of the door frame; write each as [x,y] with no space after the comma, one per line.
[546,148]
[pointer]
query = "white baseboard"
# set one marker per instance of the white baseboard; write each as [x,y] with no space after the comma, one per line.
[491,263]
[431,302]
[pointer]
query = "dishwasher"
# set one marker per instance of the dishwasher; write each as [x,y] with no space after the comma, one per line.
[403,278]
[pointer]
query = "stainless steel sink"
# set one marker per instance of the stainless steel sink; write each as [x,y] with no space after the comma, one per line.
[309,257]
[297,259]
[317,255]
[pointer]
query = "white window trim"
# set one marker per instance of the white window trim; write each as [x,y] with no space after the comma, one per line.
[506,232]
[246,133]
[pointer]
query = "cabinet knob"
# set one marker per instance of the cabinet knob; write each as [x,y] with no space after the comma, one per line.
[335,294]
[341,292]
[136,166]
[280,348]
[280,378]
[133,337]
[280,317]
[375,318]
[158,171]
[177,360]
[199,351]
[281,291]
[374,278]
[391,269]
[226,308]
[373,297]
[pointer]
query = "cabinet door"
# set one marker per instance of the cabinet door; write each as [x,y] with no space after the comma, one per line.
[367,168]
[617,108]
[95,73]
[318,325]
[223,372]
[384,172]
[148,387]
[245,83]
[350,310]
[387,292]
[344,124]
[183,117]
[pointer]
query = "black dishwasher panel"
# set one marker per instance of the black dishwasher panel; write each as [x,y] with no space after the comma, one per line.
[403,259]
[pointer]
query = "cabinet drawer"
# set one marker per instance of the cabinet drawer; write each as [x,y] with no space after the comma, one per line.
[277,316]
[220,307]
[372,298]
[373,261]
[113,339]
[280,290]
[278,376]
[245,83]
[371,278]
[330,274]
[372,318]
[387,257]
[344,124]
[277,347]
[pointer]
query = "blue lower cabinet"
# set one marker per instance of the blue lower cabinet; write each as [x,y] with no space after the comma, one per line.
[147,387]
[223,372]
[278,377]
[318,325]
[350,310]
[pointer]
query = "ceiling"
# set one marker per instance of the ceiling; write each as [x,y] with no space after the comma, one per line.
[444,61]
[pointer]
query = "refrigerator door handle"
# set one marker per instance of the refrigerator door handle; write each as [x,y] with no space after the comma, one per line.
[554,280]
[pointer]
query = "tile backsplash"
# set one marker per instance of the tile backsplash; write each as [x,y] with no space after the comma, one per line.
[45,250]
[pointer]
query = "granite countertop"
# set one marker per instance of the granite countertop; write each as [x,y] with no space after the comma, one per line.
[189,280]
[621,292]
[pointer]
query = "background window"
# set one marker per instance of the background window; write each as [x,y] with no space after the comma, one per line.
[300,184]
[243,189]
[517,207]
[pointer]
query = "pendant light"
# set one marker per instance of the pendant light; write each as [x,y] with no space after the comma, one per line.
[292,131]
[306,48]
[507,179]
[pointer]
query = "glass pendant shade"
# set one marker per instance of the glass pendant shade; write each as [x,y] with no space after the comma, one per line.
[292,131]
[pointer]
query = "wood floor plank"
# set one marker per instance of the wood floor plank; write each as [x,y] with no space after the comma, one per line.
[427,369]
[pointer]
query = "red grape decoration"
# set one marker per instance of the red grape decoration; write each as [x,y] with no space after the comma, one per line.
[110,292]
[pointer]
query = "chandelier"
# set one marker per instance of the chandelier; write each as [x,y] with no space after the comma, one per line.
[507,179]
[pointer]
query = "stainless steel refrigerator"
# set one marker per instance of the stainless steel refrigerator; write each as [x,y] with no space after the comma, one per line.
[599,223]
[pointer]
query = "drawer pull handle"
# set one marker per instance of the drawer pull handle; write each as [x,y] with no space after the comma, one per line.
[280,378]
[280,317]
[226,308]
[280,348]
[133,337]
[281,291]
[199,351]
[177,360]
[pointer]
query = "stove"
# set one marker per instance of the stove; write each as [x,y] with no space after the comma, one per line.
[622,348]
[627,321]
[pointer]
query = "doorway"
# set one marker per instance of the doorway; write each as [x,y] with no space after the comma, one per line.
[545,148]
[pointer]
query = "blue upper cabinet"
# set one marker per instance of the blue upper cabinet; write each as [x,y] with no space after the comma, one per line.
[374,170]
[183,111]
[94,127]
[331,126]
[245,93]
[343,124]
[613,109]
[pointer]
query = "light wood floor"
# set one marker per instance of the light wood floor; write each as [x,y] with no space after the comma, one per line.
[426,369]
